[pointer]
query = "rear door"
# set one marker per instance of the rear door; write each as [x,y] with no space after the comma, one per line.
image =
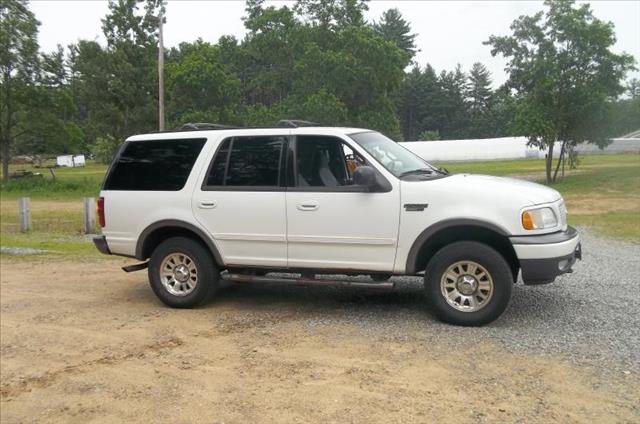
[241,200]
[333,224]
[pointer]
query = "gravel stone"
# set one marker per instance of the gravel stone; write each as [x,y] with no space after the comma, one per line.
[589,316]
[21,250]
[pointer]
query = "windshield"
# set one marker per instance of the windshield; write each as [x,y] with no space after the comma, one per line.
[395,158]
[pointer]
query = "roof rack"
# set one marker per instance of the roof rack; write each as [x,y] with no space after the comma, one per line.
[195,126]
[284,123]
[296,123]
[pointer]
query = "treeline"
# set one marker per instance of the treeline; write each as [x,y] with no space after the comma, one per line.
[317,60]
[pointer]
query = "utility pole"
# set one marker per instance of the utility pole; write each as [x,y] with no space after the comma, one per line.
[160,74]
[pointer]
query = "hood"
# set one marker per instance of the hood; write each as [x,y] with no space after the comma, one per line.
[533,192]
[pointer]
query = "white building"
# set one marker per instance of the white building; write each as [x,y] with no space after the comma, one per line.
[509,148]
[70,161]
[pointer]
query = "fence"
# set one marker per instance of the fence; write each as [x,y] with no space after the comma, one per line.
[89,217]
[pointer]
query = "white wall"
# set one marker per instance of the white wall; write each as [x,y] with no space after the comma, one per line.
[66,160]
[504,148]
[78,160]
[480,149]
[70,160]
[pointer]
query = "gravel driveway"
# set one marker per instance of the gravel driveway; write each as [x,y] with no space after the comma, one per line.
[82,341]
[592,314]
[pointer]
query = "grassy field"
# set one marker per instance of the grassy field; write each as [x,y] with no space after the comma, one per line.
[69,183]
[604,193]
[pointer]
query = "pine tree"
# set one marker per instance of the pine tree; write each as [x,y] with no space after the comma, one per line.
[479,97]
[479,92]
[393,27]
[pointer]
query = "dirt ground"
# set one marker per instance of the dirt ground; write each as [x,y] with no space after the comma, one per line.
[82,341]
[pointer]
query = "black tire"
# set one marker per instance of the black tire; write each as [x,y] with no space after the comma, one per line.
[206,272]
[493,262]
[380,278]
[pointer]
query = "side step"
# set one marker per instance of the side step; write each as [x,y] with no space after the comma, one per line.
[136,267]
[305,282]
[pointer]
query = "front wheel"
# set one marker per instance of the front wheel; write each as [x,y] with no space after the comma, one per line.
[182,272]
[468,283]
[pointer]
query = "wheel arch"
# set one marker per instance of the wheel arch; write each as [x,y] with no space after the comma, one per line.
[438,235]
[159,231]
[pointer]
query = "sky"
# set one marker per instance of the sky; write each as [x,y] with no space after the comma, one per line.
[449,32]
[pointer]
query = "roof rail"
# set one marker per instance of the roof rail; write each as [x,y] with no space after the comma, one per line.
[195,126]
[295,123]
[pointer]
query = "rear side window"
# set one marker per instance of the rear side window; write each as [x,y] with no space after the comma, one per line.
[162,165]
[247,162]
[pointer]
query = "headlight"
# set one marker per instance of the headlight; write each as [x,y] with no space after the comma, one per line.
[538,219]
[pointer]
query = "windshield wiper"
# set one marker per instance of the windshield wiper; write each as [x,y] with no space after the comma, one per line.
[417,171]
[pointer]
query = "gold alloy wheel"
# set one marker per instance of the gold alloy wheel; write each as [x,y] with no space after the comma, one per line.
[467,286]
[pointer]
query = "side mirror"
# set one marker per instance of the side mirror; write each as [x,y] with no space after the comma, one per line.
[365,176]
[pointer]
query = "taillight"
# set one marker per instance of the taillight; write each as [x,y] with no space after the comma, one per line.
[101,219]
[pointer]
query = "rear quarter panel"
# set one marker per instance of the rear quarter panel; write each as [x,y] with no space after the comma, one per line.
[129,212]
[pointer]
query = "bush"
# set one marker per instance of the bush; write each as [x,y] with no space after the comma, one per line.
[104,149]
[429,135]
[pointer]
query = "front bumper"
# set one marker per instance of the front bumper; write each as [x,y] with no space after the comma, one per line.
[101,244]
[543,258]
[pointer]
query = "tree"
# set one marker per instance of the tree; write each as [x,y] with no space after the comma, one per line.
[393,27]
[452,105]
[625,111]
[200,87]
[417,98]
[478,91]
[479,97]
[116,87]
[266,58]
[563,72]
[359,68]
[633,88]
[19,65]
[333,14]
[411,103]
[50,109]
[131,64]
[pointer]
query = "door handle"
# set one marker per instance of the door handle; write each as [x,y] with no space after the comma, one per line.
[207,204]
[307,206]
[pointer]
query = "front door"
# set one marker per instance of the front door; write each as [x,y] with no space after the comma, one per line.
[242,200]
[333,224]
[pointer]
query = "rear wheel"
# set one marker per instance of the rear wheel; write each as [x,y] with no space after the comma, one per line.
[468,283]
[182,272]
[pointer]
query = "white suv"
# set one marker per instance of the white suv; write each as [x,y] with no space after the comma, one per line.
[231,203]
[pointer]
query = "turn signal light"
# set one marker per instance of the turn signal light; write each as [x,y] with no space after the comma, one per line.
[527,221]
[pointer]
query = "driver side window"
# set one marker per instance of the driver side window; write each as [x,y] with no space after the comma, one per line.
[322,161]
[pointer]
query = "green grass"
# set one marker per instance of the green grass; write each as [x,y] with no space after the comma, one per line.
[57,227]
[620,225]
[69,183]
[603,193]
[53,244]
[536,166]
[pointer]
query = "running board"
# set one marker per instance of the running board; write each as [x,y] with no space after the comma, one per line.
[135,267]
[305,282]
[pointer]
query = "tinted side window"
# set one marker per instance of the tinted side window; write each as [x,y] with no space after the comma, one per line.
[154,165]
[247,162]
[219,165]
